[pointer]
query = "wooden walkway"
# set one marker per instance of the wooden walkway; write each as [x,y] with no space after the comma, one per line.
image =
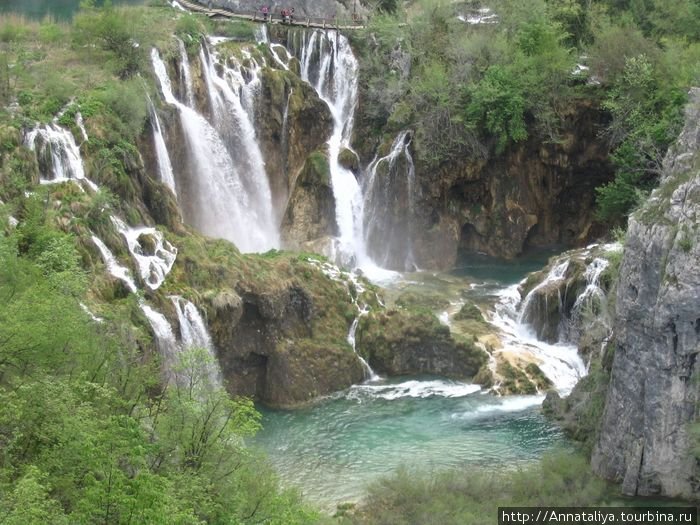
[257,16]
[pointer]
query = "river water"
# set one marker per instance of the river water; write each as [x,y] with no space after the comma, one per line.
[62,10]
[336,447]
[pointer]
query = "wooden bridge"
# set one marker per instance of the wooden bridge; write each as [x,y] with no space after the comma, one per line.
[276,18]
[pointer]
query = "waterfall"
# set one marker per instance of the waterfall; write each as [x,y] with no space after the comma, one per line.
[370,375]
[58,155]
[233,94]
[154,256]
[556,274]
[194,334]
[81,125]
[165,167]
[217,204]
[185,75]
[113,267]
[328,64]
[165,340]
[388,206]
[559,362]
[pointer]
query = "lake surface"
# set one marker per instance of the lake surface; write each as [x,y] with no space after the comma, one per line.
[58,9]
[333,449]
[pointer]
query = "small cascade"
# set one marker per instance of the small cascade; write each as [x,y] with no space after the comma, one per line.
[370,375]
[165,340]
[190,321]
[58,155]
[81,125]
[165,167]
[560,362]
[328,64]
[194,334]
[389,200]
[154,256]
[534,311]
[113,267]
[218,202]
[185,75]
[333,272]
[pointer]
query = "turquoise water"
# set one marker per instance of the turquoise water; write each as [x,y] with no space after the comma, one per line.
[334,449]
[502,271]
[57,9]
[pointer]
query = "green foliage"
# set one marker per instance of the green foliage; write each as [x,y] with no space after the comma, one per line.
[458,497]
[114,31]
[646,112]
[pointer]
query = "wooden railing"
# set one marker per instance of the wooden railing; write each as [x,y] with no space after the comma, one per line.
[339,24]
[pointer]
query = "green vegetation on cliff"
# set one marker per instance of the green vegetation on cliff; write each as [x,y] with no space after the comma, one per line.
[472,90]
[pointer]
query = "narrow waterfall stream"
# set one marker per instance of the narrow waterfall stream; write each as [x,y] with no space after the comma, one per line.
[328,64]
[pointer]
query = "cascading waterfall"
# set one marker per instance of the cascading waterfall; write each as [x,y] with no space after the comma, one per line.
[328,64]
[165,167]
[113,267]
[560,362]
[154,256]
[388,206]
[194,334]
[218,203]
[185,75]
[557,274]
[58,155]
[232,95]
[165,341]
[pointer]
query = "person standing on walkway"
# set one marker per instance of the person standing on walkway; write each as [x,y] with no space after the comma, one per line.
[265,12]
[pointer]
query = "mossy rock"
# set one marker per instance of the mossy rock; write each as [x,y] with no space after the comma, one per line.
[316,171]
[469,312]
[515,381]
[148,244]
[542,382]
[349,160]
[403,342]
[431,301]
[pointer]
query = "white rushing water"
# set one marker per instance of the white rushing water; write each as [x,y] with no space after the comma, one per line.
[194,334]
[58,155]
[218,203]
[388,206]
[328,64]
[165,166]
[233,94]
[153,255]
[165,341]
[113,267]
[560,362]
[185,73]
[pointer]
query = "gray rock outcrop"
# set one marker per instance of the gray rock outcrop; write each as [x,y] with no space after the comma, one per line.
[644,440]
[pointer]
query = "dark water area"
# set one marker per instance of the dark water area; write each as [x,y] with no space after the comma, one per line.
[61,10]
[504,271]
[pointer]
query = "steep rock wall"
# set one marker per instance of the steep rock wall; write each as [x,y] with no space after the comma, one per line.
[535,194]
[644,440]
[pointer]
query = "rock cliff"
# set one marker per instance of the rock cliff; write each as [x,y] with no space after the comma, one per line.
[644,441]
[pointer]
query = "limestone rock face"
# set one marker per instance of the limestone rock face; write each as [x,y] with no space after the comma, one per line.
[536,194]
[644,440]
[310,213]
[293,123]
[282,341]
[402,343]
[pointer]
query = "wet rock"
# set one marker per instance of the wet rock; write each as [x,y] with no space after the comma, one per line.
[400,342]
